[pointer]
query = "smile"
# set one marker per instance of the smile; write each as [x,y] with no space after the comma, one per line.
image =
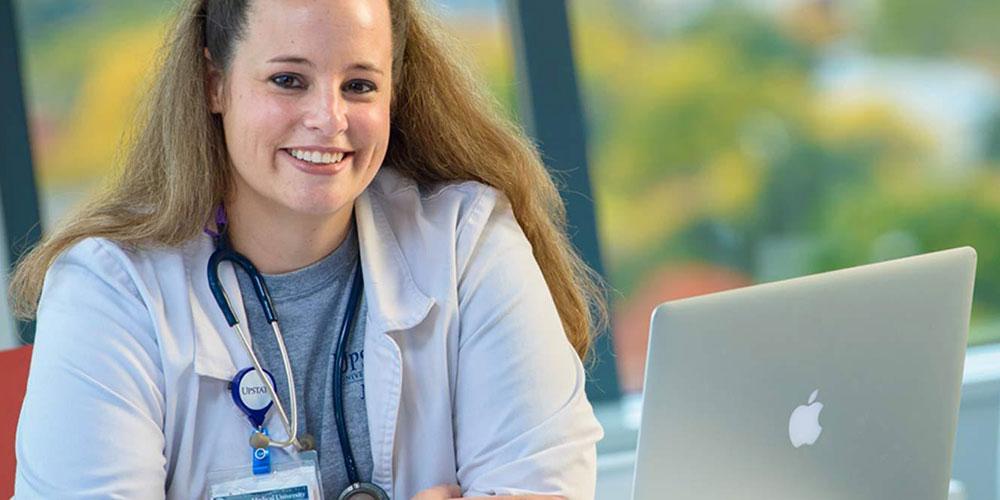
[315,162]
[317,157]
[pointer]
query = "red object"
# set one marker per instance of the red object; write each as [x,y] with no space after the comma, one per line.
[670,282]
[13,379]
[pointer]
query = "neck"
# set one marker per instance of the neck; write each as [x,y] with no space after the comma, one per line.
[278,241]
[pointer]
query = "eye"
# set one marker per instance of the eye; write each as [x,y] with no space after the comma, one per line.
[287,81]
[360,86]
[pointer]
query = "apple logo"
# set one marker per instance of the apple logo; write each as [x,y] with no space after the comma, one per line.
[803,426]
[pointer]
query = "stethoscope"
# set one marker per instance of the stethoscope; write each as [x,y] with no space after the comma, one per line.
[224,251]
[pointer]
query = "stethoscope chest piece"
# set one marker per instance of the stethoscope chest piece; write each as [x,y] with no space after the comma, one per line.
[363,491]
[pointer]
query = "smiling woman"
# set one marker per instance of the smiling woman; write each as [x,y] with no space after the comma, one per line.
[433,316]
[288,103]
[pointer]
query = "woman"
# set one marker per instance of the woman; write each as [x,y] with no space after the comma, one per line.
[411,238]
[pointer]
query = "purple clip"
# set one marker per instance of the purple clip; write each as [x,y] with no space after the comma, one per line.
[220,221]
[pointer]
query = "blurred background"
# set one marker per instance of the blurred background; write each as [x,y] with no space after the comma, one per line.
[729,142]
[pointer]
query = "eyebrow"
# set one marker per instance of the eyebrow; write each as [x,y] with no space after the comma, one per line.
[364,66]
[367,67]
[290,59]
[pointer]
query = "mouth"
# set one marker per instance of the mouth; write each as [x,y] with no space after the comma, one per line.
[318,162]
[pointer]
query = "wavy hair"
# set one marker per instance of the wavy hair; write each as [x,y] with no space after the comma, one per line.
[164,193]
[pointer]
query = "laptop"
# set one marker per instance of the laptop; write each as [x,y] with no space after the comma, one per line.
[842,385]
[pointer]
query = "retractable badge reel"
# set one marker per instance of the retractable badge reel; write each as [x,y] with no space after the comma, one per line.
[251,397]
[295,480]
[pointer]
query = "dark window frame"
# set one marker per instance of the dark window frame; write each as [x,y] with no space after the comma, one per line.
[18,190]
[550,109]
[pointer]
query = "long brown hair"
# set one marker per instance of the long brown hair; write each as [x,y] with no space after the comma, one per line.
[177,169]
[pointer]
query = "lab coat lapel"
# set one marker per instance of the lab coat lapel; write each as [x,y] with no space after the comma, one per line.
[394,300]
[395,304]
[218,350]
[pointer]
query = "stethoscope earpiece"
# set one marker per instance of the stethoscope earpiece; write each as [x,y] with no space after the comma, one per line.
[306,442]
[259,440]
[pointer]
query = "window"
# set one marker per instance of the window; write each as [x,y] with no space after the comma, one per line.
[737,142]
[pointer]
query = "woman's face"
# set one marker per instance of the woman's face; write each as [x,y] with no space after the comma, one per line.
[305,103]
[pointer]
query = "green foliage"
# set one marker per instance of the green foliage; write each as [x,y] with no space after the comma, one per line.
[936,28]
[856,184]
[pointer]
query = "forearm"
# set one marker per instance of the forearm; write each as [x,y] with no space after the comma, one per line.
[453,492]
[517,497]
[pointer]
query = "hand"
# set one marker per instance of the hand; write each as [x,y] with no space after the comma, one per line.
[452,492]
[440,492]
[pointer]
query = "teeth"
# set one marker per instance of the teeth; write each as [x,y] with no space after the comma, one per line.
[317,156]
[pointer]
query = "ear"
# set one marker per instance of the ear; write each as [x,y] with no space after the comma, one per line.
[214,86]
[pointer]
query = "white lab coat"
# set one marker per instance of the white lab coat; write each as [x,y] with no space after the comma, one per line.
[469,377]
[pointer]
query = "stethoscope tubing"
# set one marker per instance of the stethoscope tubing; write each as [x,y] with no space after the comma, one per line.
[225,253]
[338,387]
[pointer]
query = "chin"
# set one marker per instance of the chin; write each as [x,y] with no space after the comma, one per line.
[323,197]
[318,207]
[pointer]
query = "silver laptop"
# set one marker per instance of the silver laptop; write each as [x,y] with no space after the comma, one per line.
[843,385]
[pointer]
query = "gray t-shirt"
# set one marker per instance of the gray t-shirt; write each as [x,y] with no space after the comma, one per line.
[310,304]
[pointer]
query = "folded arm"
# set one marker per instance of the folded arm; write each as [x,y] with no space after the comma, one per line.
[91,422]
[523,425]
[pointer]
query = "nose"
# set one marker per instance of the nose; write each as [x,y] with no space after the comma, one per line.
[327,112]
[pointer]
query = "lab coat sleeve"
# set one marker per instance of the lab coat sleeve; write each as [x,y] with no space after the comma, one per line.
[91,423]
[523,424]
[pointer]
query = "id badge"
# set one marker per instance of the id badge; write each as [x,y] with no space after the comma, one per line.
[295,479]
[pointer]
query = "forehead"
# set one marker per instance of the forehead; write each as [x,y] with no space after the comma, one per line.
[318,29]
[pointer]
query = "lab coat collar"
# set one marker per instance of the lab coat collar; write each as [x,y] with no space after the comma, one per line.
[218,349]
[395,301]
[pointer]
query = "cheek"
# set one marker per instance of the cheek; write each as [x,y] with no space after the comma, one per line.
[258,121]
[373,122]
